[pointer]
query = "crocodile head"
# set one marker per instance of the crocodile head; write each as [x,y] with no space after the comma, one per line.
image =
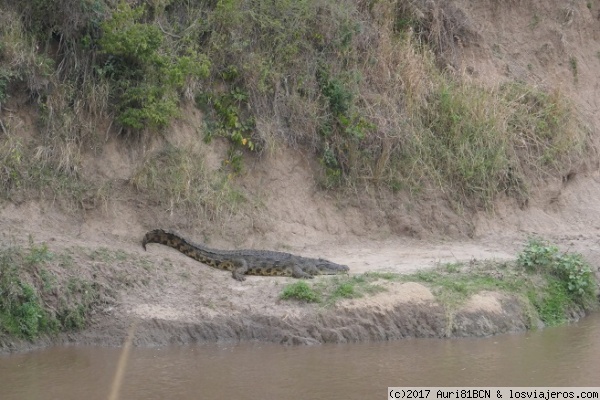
[330,268]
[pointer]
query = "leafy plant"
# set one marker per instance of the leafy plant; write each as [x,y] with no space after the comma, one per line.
[343,127]
[231,122]
[34,301]
[577,273]
[570,268]
[229,118]
[144,70]
[21,311]
[537,254]
[339,97]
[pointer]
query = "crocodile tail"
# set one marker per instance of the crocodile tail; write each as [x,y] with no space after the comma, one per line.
[155,236]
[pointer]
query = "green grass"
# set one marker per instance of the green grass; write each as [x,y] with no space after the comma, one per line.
[300,291]
[553,283]
[551,302]
[34,300]
[549,284]
[331,290]
[454,283]
[477,143]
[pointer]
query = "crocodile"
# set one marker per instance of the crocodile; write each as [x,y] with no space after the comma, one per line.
[247,262]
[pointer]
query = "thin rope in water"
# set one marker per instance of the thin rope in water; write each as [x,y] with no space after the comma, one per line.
[118,379]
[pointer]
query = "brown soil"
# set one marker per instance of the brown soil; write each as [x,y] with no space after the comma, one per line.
[187,301]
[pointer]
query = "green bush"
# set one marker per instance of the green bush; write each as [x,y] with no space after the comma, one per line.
[571,280]
[131,41]
[29,293]
[339,96]
[538,254]
[342,129]
[574,270]
[229,117]
[145,71]
[345,290]
[300,291]
[21,309]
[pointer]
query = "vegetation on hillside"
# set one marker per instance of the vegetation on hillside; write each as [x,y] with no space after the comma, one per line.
[38,299]
[363,85]
[46,290]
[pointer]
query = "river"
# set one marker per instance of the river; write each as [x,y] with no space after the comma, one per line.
[561,356]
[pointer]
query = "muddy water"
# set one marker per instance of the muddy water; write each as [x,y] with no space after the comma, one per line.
[564,356]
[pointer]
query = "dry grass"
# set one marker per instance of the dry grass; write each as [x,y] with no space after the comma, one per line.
[361,85]
[177,179]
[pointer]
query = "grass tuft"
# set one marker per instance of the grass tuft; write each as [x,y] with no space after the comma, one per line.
[300,291]
[34,300]
[177,179]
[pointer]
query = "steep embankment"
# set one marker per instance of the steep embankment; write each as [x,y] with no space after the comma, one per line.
[386,135]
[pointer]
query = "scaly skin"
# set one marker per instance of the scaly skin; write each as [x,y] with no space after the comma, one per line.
[247,262]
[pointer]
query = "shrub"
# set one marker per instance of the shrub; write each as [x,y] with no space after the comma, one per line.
[571,270]
[145,71]
[33,301]
[21,309]
[574,270]
[537,255]
[229,117]
[300,291]
[345,290]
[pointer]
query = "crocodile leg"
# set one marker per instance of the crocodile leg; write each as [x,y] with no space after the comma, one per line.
[239,270]
[298,273]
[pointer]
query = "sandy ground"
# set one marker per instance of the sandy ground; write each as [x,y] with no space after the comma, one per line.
[174,299]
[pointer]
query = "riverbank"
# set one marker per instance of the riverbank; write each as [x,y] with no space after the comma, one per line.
[93,295]
[393,138]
